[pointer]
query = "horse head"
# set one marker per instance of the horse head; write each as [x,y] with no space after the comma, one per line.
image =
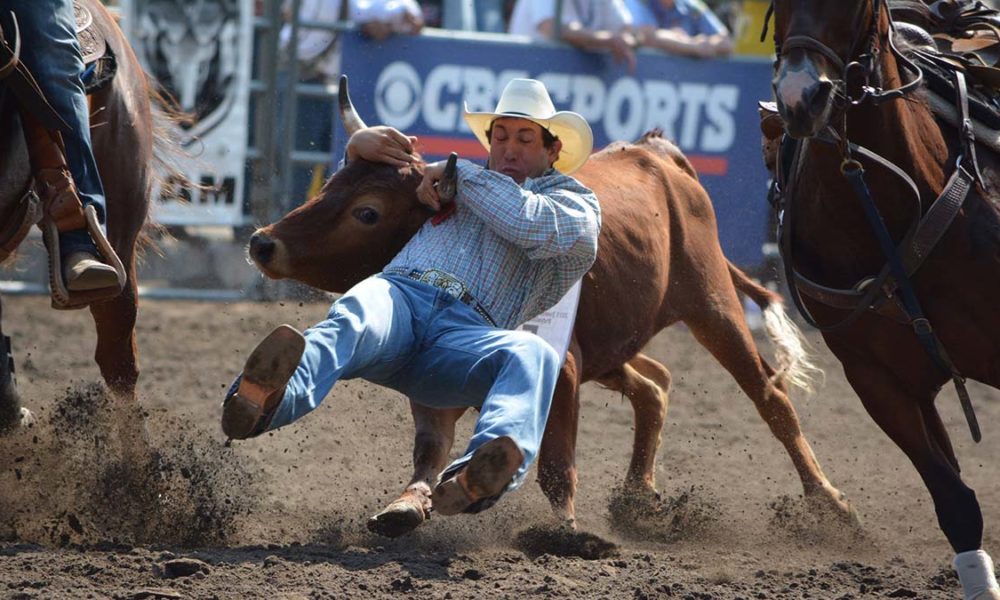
[821,46]
[362,217]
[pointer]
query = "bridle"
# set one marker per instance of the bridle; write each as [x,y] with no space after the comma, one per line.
[890,292]
[860,65]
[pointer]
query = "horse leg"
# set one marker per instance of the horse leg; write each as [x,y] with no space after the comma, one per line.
[723,331]
[913,423]
[117,354]
[434,434]
[117,357]
[646,384]
[12,414]
[557,455]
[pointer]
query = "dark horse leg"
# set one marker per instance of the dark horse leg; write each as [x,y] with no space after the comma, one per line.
[911,420]
[11,413]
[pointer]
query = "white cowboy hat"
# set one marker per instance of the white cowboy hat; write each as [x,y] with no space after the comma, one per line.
[528,99]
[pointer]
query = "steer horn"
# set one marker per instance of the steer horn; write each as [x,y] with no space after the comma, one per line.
[447,186]
[348,116]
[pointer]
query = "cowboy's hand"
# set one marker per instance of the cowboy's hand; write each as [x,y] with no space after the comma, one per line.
[427,191]
[382,144]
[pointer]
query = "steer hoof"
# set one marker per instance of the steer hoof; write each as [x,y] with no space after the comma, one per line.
[402,516]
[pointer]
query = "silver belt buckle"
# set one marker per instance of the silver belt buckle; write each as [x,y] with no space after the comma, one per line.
[444,281]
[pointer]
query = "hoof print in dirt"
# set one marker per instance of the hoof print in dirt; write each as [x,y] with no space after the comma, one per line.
[644,516]
[183,567]
[557,541]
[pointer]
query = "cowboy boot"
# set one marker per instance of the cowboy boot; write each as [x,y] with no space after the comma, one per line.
[480,482]
[92,271]
[82,270]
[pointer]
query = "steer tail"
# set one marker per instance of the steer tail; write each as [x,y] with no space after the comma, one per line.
[795,366]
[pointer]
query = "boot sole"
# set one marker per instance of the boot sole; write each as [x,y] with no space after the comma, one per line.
[488,473]
[268,369]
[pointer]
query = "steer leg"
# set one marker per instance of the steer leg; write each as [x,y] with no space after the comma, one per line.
[720,327]
[434,434]
[557,456]
[646,384]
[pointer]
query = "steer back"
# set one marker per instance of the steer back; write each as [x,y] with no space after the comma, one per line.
[657,223]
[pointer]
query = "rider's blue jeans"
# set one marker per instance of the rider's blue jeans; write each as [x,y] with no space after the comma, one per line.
[418,340]
[51,51]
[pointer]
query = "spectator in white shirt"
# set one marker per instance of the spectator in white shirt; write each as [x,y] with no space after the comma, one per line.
[602,25]
[318,56]
[377,18]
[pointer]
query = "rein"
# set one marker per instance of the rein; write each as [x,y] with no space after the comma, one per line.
[891,292]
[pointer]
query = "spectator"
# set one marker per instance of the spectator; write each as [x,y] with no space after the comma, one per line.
[465,15]
[587,24]
[684,27]
[318,56]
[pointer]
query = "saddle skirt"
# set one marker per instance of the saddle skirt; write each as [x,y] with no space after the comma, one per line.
[93,45]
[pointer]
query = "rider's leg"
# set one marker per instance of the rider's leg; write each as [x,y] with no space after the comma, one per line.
[51,51]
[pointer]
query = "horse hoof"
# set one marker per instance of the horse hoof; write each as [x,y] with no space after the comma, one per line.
[837,505]
[402,516]
[27,418]
[990,594]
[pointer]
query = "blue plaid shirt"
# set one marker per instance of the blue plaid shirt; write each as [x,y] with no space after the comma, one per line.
[518,249]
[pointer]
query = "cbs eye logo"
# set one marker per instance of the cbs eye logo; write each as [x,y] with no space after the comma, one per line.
[397,95]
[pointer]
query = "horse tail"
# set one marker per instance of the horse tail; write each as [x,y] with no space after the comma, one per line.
[168,152]
[795,365]
[656,141]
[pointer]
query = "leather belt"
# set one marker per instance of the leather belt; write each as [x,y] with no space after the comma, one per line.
[447,283]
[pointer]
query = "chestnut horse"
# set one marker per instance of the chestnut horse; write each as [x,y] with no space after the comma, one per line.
[122,133]
[658,262]
[872,183]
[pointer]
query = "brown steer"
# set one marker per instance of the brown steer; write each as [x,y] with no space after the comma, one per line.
[658,262]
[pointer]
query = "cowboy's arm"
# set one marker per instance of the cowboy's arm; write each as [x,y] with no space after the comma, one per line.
[561,218]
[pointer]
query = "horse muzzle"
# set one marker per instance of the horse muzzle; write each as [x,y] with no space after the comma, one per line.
[805,100]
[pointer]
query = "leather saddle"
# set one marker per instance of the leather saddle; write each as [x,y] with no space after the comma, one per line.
[20,91]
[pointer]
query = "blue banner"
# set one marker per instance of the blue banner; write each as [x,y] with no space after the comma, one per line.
[708,107]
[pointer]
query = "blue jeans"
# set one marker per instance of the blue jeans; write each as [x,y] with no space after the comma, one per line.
[51,51]
[418,340]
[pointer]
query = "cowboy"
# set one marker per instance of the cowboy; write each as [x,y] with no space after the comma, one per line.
[438,323]
[63,162]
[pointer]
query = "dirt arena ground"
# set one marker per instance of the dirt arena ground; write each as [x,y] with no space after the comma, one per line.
[90,509]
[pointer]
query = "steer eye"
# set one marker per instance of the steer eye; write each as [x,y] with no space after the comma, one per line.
[366,214]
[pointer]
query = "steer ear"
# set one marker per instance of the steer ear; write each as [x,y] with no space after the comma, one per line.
[348,116]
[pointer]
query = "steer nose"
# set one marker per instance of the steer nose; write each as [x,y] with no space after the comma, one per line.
[261,248]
